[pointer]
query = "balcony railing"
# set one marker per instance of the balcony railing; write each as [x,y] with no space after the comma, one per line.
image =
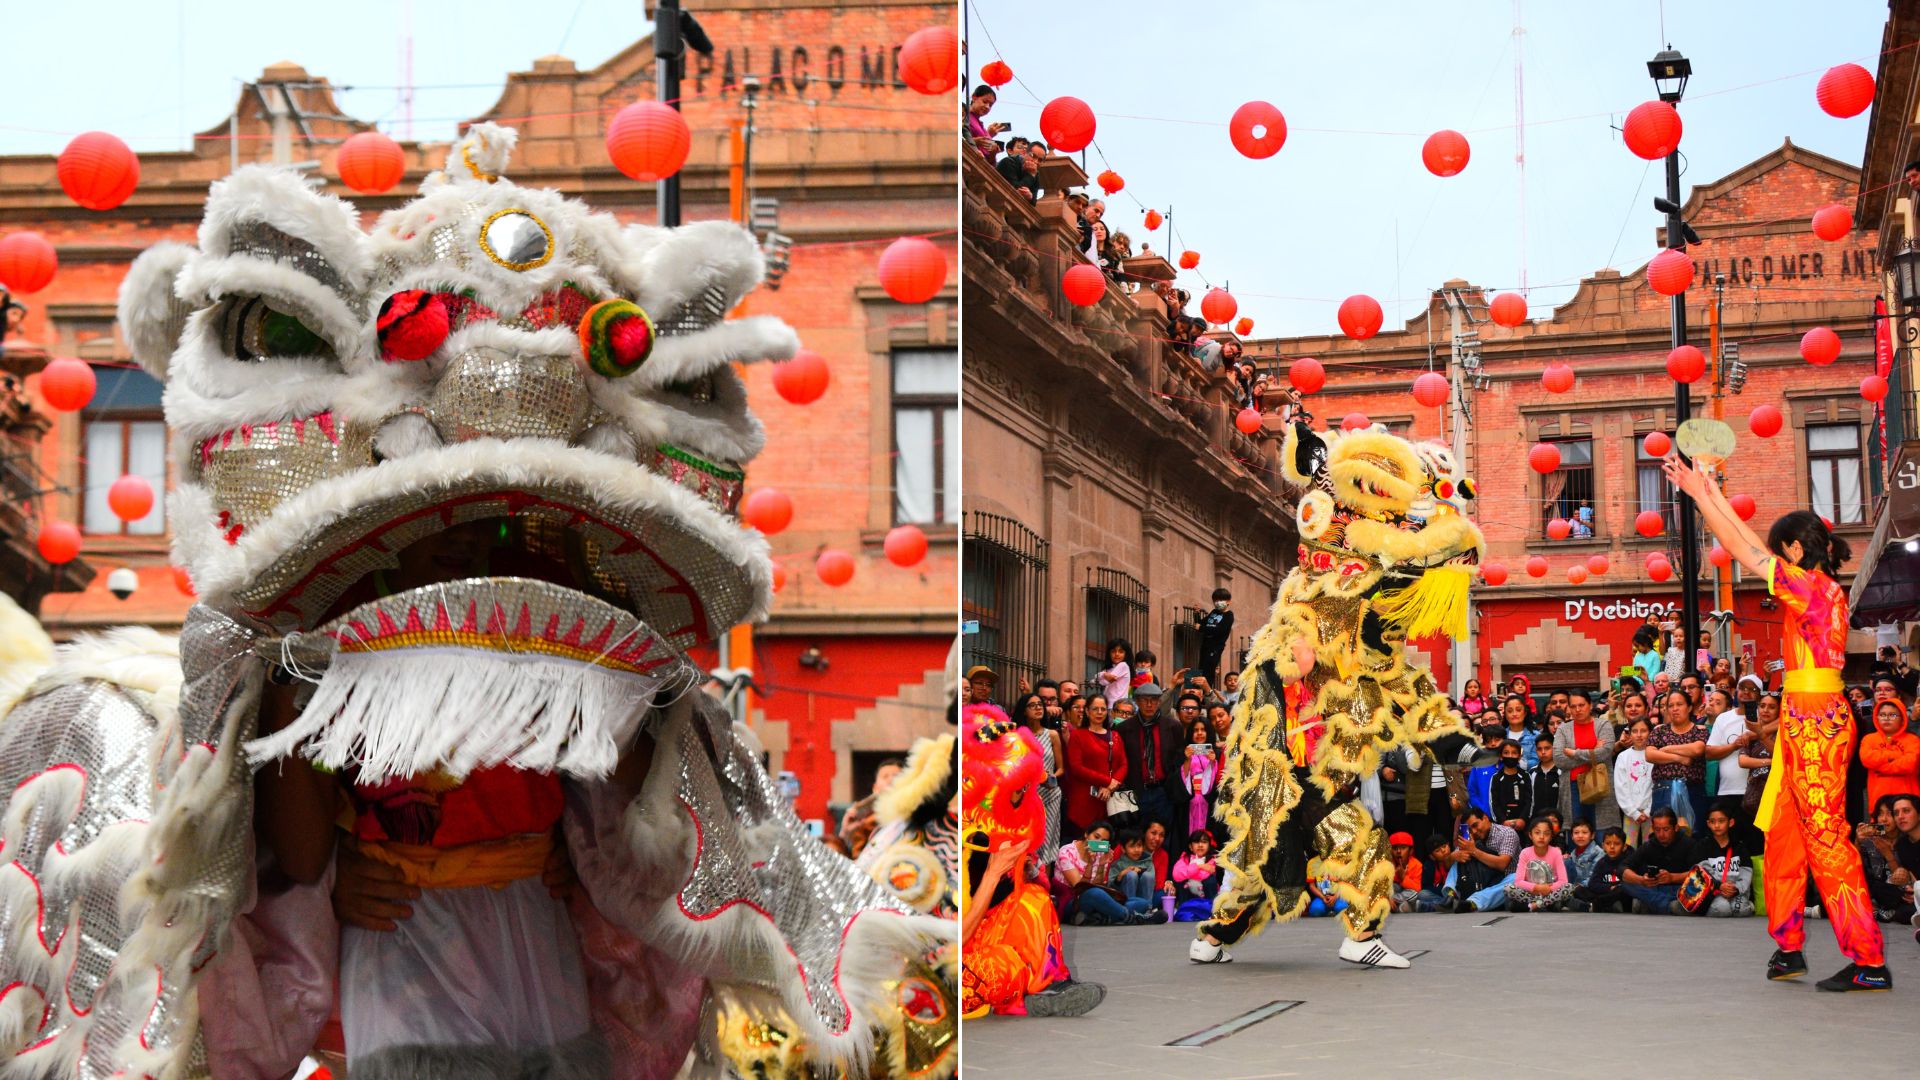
[1035,245]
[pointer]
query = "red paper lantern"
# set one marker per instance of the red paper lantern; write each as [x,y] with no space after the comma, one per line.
[930,60]
[1257,129]
[768,509]
[1306,375]
[27,262]
[1743,505]
[1652,130]
[67,384]
[1764,421]
[1494,573]
[1109,181]
[1189,260]
[1218,306]
[1431,389]
[1670,272]
[1686,363]
[648,141]
[1445,153]
[1832,222]
[182,580]
[905,545]
[1083,284]
[59,542]
[1845,90]
[1067,124]
[1597,565]
[1153,220]
[1355,421]
[912,270]
[1537,567]
[835,567]
[1873,388]
[1360,316]
[1660,570]
[97,170]
[802,379]
[1649,523]
[1657,443]
[1820,346]
[1544,457]
[1558,378]
[996,73]
[1559,529]
[1243,327]
[1720,557]
[370,163]
[779,577]
[1508,309]
[1248,420]
[130,497]
[1577,574]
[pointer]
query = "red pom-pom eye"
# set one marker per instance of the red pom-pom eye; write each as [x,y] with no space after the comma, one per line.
[412,324]
[629,339]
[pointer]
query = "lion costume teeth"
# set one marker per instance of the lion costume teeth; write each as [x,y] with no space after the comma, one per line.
[1385,554]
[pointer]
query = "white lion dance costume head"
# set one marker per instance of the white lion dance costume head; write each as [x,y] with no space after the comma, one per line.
[532,408]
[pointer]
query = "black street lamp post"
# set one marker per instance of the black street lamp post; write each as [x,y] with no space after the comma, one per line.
[1670,71]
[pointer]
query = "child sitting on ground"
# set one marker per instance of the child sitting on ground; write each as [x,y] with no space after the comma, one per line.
[1603,891]
[1197,878]
[1406,871]
[1540,874]
[1320,887]
[1582,854]
[1436,878]
[1133,869]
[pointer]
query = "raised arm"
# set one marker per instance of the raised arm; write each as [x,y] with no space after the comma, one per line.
[1725,525]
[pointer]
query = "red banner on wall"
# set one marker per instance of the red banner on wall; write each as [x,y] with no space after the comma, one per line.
[1883,367]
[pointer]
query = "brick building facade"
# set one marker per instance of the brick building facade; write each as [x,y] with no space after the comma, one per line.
[856,160]
[1780,281]
[1108,493]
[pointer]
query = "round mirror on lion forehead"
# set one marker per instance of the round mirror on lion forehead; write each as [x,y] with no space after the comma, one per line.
[516,240]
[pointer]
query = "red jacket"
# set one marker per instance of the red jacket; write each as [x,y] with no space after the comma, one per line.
[1893,765]
[1093,761]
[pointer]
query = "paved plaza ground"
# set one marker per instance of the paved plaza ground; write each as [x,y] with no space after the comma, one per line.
[1539,995]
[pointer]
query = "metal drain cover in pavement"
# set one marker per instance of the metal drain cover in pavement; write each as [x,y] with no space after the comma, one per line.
[1236,1025]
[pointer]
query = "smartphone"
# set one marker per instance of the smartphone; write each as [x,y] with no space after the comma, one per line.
[1099,847]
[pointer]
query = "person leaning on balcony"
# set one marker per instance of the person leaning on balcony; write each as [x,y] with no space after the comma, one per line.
[1020,168]
[976,130]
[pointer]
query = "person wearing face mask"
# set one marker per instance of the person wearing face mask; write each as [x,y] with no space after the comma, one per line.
[1216,627]
[1511,792]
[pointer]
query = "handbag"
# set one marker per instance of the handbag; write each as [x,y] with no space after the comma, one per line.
[1698,889]
[1596,782]
[1121,802]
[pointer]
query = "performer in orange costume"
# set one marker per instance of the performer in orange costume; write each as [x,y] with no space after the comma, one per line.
[1012,961]
[1804,809]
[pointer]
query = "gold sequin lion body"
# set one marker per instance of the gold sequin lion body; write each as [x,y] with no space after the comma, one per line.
[1386,552]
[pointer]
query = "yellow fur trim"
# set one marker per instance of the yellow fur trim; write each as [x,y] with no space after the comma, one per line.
[1436,603]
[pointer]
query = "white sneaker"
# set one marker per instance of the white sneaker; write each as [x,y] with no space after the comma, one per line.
[1203,951]
[1372,952]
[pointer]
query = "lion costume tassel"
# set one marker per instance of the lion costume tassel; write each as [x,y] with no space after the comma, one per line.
[1386,553]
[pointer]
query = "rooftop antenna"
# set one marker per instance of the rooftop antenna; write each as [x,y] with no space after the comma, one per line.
[406,70]
[1520,134]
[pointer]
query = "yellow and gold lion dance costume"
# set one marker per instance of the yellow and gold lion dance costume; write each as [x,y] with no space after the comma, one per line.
[1386,552]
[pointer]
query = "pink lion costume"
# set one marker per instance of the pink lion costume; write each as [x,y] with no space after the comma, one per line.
[501,362]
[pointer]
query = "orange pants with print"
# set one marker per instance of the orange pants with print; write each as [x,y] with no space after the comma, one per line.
[1809,830]
[1013,952]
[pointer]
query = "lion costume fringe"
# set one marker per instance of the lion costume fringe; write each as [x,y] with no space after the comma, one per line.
[1386,552]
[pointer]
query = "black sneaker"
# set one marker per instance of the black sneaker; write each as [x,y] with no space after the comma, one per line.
[1066,999]
[1787,965]
[1854,977]
[1153,917]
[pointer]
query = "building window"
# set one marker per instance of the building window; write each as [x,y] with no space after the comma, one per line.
[1003,580]
[1116,608]
[1186,637]
[123,434]
[1833,467]
[1567,492]
[926,426]
[1651,487]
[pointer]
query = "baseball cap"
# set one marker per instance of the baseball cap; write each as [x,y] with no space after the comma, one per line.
[982,669]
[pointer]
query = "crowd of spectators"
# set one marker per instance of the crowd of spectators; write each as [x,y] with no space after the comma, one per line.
[1638,796]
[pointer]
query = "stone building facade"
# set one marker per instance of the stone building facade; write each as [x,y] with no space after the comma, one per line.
[1108,493]
[1780,281]
[856,160]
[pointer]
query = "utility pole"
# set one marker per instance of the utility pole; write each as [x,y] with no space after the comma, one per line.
[1462,658]
[1670,72]
[674,32]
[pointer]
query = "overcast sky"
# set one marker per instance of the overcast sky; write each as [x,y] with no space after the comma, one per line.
[156,71]
[1337,212]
